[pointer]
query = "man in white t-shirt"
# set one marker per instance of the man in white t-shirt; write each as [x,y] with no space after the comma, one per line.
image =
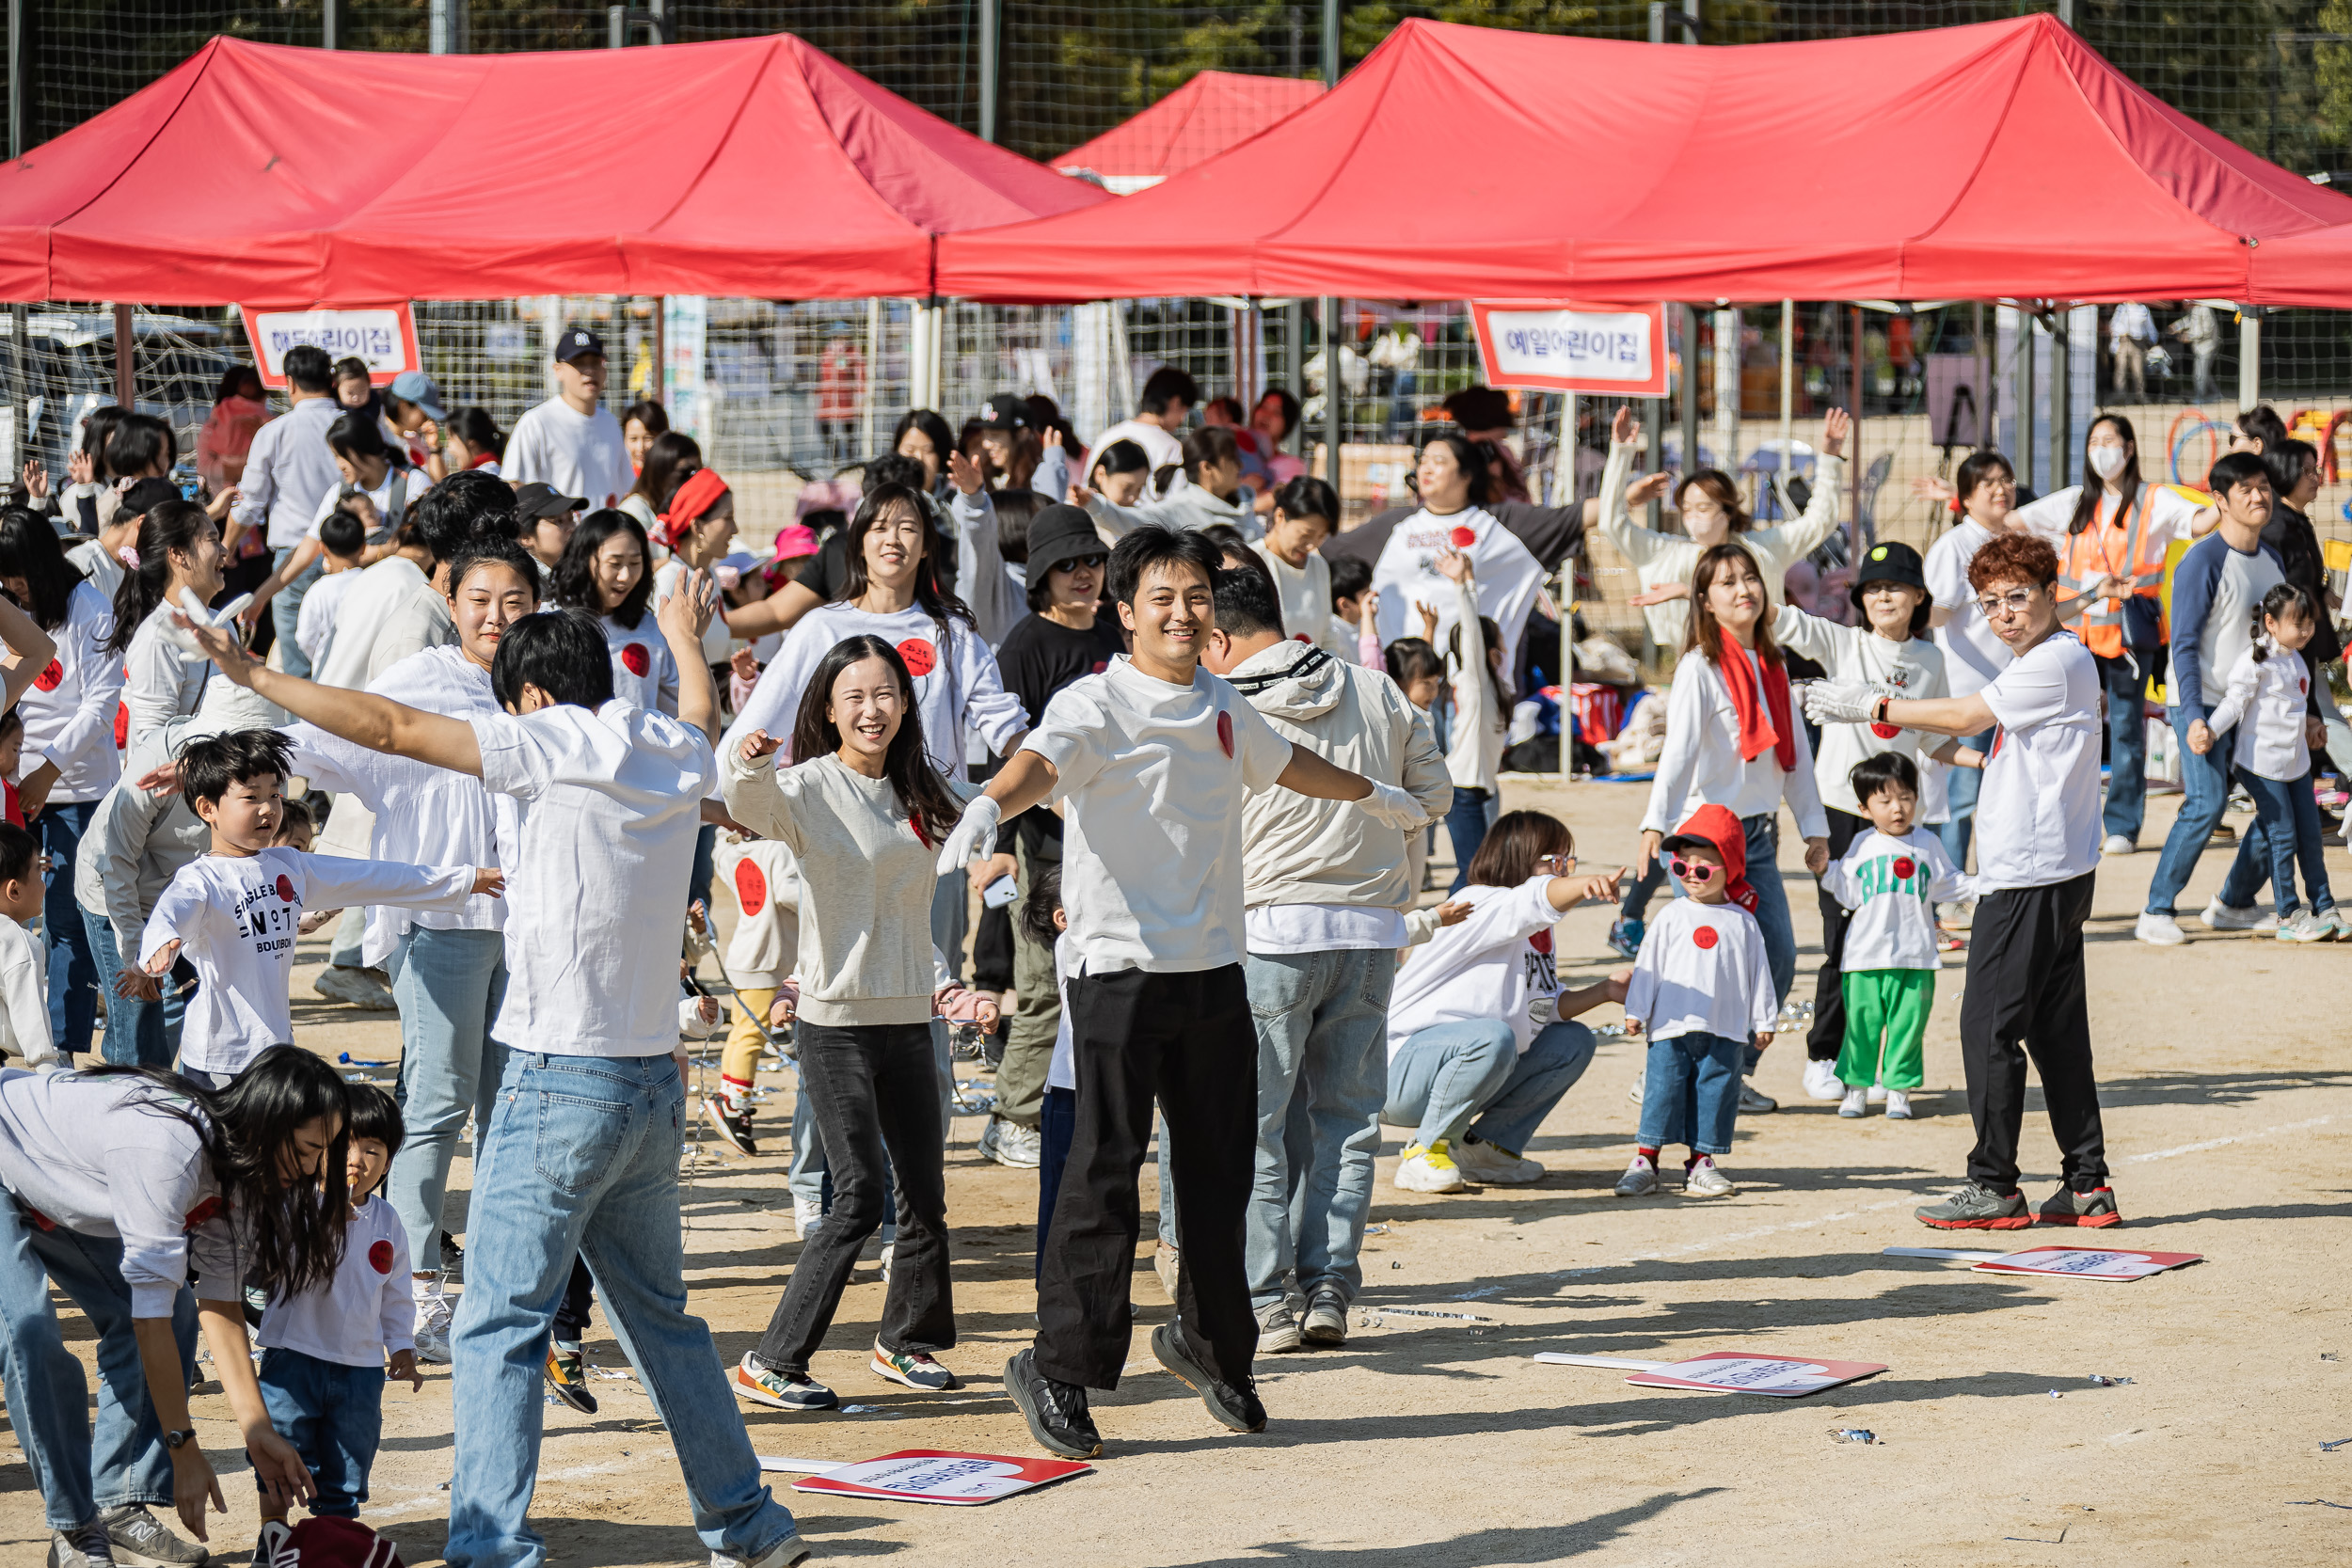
[1153,762]
[2038,820]
[572,441]
[581,1154]
[1167,400]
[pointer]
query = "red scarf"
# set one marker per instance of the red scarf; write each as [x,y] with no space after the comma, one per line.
[1764,723]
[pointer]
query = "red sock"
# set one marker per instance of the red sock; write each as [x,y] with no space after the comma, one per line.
[1649,1154]
[1694,1159]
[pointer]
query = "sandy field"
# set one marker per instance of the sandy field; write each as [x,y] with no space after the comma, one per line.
[1437,1441]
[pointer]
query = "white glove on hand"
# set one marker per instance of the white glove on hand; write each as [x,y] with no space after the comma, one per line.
[1391,807]
[974,836]
[194,608]
[1842,701]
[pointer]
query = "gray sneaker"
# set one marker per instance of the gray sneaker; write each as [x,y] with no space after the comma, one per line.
[133,1532]
[355,986]
[785,1553]
[1755,1101]
[1975,1208]
[1278,1329]
[83,1546]
[1705,1178]
[1640,1179]
[1326,1320]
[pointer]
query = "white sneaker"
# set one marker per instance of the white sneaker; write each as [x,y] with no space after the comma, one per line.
[434,1314]
[355,985]
[808,1215]
[2267,926]
[1011,1144]
[1640,1179]
[1857,1102]
[1897,1105]
[2162,930]
[1755,1101]
[2303,926]
[1634,1094]
[1707,1179]
[1429,1170]
[1875,1095]
[1820,1080]
[1491,1165]
[2219,916]
[2116,844]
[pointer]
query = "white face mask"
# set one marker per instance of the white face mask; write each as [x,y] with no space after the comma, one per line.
[2107,461]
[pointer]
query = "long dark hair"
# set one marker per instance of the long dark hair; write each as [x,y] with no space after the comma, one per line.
[232,382]
[1493,634]
[1515,846]
[934,429]
[921,794]
[576,580]
[97,430]
[1706,632]
[30,550]
[670,457]
[295,1229]
[169,526]
[942,605]
[2127,483]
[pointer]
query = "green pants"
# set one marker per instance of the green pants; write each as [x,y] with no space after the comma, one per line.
[1892,1004]
[1036,1018]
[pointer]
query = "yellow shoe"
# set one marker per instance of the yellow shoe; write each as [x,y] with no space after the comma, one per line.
[1428,1171]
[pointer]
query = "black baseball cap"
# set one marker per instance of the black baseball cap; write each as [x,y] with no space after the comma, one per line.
[1005,411]
[135,502]
[535,501]
[1890,560]
[577,342]
[1060,534]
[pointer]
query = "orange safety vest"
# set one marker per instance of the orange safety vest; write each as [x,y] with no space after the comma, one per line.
[2090,555]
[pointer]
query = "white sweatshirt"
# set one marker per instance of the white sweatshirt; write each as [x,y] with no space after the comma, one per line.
[1890,887]
[1474,755]
[24,995]
[766,884]
[645,672]
[69,708]
[160,682]
[1913,668]
[2266,703]
[1305,596]
[1702,766]
[1492,965]
[1703,971]
[366,1311]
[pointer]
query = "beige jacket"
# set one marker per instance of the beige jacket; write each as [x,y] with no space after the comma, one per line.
[1301,850]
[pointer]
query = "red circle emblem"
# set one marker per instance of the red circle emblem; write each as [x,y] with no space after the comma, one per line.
[1905,865]
[1462,538]
[921,657]
[915,824]
[637,659]
[1540,942]
[1224,731]
[1885,732]
[285,889]
[1704,936]
[380,1257]
[750,888]
[122,725]
[1100,665]
[48,679]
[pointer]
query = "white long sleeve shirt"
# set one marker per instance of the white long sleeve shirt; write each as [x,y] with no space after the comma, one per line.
[999,601]
[1703,971]
[1305,596]
[644,672]
[1913,668]
[362,1314]
[2266,703]
[69,710]
[1890,887]
[287,469]
[1701,765]
[1474,755]
[161,683]
[24,995]
[1492,965]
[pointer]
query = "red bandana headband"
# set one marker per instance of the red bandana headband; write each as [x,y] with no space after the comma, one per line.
[702,487]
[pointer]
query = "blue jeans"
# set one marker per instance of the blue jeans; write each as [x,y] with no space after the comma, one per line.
[448,986]
[333,1415]
[2206,787]
[1466,823]
[1322,1020]
[1449,1072]
[285,609]
[582,1157]
[1762,835]
[2126,684]
[2286,831]
[1639,891]
[1961,786]
[138,1034]
[1691,1093]
[74,982]
[48,1395]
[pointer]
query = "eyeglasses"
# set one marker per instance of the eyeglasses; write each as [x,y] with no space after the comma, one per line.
[1692,871]
[2013,602]
[1563,862]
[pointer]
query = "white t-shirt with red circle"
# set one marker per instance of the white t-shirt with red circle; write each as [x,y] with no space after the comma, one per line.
[1491,966]
[362,1314]
[956,688]
[644,675]
[1891,886]
[1703,971]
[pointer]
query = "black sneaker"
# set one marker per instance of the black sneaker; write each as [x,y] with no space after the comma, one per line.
[1237,1408]
[2094,1210]
[1057,1412]
[1975,1208]
[567,1379]
[452,1258]
[734,1125]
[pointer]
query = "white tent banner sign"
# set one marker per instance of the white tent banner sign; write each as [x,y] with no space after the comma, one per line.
[1565,347]
[381,337]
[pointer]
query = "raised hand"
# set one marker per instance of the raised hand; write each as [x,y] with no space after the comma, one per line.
[1647,488]
[759,744]
[1624,429]
[1835,426]
[965,473]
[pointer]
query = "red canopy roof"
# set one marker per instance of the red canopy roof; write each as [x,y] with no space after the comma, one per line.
[2000,160]
[270,176]
[1216,110]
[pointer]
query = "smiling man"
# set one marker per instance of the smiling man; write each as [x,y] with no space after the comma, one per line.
[1152,761]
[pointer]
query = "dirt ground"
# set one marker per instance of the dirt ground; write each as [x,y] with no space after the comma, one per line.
[1432,1441]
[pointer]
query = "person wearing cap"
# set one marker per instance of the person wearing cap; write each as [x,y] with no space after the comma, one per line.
[1020,453]
[546,517]
[696,529]
[572,441]
[414,408]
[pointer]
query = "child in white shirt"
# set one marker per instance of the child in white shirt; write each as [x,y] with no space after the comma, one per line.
[766,881]
[326,1350]
[2268,703]
[23,968]
[344,538]
[1701,988]
[235,909]
[1890,880]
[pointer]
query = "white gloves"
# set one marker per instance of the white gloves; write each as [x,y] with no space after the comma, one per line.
[195,610]
[974,836]
[1842,701]
[1391,807]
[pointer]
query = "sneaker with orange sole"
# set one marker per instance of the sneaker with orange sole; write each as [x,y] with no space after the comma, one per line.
[2094,1210]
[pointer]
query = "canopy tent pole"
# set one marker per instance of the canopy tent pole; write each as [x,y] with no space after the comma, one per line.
[873,373]
[1853,457]
[2249,357]
[1294,341]
[126,383]
[1985,375]
[1690,388]
[1727,391]
[1656,424]
[1563,493]
[1334,384]
[1788,386]
[2023,403]
[2062,394]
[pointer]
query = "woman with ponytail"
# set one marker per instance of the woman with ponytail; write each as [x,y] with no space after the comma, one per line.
[179,550]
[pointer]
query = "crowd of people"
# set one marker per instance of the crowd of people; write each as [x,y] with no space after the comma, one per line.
[501,710]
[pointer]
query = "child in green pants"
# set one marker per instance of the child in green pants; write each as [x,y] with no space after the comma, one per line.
[1891,879]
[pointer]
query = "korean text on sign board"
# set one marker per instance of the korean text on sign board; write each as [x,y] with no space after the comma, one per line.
[370,341]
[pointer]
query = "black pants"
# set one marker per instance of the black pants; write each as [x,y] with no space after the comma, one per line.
[1828,1034]
[2025,995]
[872,1087]
[571,1313]
[1189,1040]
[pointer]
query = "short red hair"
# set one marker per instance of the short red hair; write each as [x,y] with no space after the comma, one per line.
[2014,558]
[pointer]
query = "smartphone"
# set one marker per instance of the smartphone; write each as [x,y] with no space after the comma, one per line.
[1003,890]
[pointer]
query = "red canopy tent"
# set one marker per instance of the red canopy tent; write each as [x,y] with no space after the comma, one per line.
[1983,162]
[1216,110]
[270,176]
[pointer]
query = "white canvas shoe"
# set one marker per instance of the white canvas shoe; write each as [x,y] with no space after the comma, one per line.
[1821,1081]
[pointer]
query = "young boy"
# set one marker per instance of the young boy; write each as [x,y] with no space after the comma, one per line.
[345,538]
[759,958]
[1701,986]
[295,829]
[24,970]
[235,909]
[324,1352]
[1890,880]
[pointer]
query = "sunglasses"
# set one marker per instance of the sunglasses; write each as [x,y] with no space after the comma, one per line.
[1073,562]
[1692,871]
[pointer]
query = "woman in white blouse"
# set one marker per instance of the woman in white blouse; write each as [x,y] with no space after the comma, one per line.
[179,551]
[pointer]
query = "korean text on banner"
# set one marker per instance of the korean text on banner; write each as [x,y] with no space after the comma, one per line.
[1562,346]
[382,336]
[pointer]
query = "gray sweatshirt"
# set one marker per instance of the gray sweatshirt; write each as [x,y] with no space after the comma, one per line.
[866,880]
[135,842]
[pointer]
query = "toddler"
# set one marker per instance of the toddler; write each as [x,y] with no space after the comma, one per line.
[1889,881]
[23,968]
[344,538]
[1701,986]
[759,960]
[325,1351]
